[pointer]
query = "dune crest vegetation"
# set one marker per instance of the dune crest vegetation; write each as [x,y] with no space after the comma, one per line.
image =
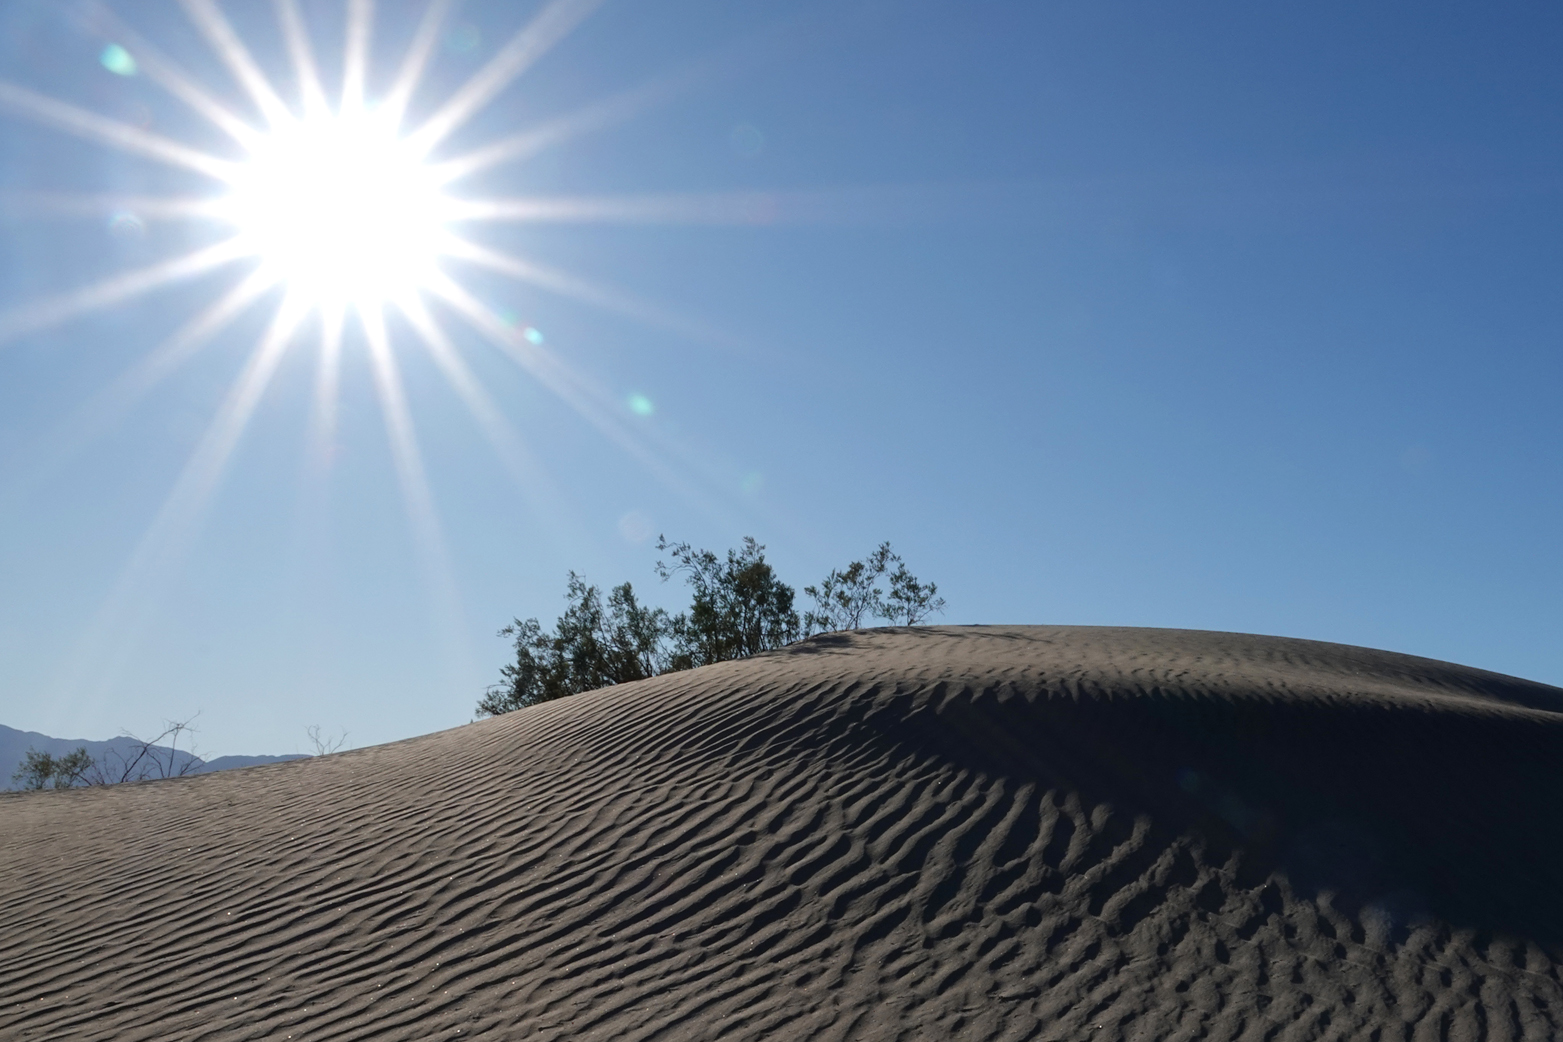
[739,607]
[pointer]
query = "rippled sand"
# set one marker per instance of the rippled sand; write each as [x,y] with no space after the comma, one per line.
[962,833]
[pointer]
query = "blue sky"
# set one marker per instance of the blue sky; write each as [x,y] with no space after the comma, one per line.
[1220,315]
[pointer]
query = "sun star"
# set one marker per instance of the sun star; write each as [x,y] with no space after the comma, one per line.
[335,197]
[340,211]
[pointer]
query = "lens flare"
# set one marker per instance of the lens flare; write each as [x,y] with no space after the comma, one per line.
[117,60]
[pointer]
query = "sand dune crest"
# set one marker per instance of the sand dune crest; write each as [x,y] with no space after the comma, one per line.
[985,832]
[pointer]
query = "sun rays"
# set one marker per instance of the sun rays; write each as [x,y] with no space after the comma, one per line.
[332,202]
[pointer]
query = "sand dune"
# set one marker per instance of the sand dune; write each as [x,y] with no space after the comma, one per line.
[966,833]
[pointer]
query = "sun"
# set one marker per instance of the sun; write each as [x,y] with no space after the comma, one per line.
[345,208]
[340,211]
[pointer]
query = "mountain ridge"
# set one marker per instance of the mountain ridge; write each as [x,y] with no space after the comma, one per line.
[15,743]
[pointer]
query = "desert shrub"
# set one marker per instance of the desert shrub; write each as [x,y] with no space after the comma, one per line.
[592,646]
[40,770]
[847,596]
[739,607]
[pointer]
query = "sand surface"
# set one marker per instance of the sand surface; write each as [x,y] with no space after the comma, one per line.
[946,833]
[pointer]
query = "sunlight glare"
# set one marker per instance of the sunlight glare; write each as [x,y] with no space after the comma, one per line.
[340,211]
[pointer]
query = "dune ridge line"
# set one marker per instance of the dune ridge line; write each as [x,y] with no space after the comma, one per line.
[943,832]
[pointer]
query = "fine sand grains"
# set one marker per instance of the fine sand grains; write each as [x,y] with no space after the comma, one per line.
[964,833]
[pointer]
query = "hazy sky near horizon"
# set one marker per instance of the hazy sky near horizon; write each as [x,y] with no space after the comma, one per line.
[1210,315]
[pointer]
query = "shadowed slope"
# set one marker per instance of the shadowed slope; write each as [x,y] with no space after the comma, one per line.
[988,832]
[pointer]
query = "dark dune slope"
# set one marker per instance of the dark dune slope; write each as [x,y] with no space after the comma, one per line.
[973,833]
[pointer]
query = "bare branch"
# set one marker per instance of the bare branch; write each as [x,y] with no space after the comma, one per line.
[145,761]
[322,743]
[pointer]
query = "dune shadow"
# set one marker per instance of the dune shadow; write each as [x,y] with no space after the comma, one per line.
[1398,812]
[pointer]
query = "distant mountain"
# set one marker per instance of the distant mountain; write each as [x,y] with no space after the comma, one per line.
[14,745]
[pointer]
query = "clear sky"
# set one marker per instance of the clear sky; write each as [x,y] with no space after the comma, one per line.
[1217,315]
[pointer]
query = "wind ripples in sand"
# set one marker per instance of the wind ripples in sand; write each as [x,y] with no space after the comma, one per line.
[996,833]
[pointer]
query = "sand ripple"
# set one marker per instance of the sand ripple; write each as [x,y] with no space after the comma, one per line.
[986,832]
